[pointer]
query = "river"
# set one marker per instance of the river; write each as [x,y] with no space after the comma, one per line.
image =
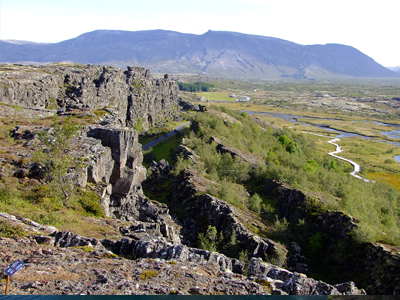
[342,134]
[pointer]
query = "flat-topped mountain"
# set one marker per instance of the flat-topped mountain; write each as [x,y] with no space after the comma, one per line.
[220,53]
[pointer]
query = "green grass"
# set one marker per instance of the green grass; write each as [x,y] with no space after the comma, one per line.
[156,132]
[215,96]
[8,229]
[165,148]
[38,202]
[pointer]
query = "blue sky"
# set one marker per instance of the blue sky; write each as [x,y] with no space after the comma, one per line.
[371,26]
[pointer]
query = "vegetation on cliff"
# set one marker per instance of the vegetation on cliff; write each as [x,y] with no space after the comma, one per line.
[291,157]
[224,191]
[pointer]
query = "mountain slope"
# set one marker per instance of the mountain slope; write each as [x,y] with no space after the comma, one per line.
[214,53]
[395,69]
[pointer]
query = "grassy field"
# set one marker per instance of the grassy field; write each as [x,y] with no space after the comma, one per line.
[164,149]
[375,158]
[351,106]
[214,96]
[147,138]
[369,129]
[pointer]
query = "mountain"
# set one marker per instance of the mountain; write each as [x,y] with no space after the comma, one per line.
[219,53]
[395,69]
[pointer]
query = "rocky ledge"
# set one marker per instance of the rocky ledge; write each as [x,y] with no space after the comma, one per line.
[65,263]
[128,95]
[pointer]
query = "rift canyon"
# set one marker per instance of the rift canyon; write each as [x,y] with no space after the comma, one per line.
[230,199]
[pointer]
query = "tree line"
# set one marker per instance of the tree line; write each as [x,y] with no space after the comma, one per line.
[197,86]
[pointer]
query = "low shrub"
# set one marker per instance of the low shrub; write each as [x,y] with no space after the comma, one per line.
[148,274]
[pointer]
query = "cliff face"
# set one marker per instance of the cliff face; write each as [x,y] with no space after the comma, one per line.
[111,150]
[127,94]
[142,262]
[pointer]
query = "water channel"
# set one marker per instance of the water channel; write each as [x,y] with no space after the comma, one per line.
[342,134]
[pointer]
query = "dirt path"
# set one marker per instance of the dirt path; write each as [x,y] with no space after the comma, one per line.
[356,166]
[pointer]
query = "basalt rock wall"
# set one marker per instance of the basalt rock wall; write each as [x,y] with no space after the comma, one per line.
[128,94]
[374,267]
[196,208]
[383,269]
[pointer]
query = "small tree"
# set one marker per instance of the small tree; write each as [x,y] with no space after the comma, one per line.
[54,161]
[209,240]
[231,248]
[255,203]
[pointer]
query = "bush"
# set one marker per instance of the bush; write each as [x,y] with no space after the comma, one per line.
[255,203]
[208,241]
[149,157]
[139,124]
[9,229]
[90,203]
[390,161]
[148,274]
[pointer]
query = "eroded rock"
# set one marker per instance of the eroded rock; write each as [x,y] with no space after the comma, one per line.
[281,280]
[127,95]
[189,194]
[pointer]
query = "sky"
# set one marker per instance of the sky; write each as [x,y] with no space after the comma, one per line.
[371,26]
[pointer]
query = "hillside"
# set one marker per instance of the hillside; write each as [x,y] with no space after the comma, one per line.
[244,207]
[395,69]
[218,53]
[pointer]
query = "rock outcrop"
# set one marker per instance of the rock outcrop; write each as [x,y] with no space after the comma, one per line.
[186,105]
[291,204]
[294,205]
[234,152]
[143,263]
[81,270]
[113,162]
[128,95]
[382,269]
[197,207]
[283,282]
[125,173]
[375,267]
[160,168]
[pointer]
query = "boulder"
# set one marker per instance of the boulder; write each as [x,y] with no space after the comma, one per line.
[285,282]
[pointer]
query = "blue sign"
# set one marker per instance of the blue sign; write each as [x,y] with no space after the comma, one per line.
[14,268]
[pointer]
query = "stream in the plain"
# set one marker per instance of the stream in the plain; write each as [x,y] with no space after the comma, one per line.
[342,134]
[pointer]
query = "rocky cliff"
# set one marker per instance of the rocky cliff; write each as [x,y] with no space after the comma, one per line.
[112,165]
[143,262]
[198,208]
[128,95]
[374,266]
[110,151]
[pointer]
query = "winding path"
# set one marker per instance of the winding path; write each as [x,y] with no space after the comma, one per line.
[338,150]
[163,137]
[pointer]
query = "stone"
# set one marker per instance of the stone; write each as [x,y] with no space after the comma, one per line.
[189,192]
[160,168]
[285,282]
[243,156]
[130,94]
[186,105]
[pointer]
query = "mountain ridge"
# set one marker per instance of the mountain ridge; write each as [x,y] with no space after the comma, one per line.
[220,53]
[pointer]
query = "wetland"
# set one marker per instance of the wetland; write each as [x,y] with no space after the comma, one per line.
[363,113]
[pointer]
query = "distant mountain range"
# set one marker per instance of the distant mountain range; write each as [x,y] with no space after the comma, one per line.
[216,53]
[395,69]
